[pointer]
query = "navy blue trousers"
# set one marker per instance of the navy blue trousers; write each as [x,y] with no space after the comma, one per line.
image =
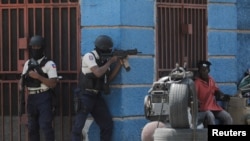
[40,116]
[96,106]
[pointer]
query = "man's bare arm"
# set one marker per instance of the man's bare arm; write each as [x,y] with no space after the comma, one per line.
[99,71]
[50,82]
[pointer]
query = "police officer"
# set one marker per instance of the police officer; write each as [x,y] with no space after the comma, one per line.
[39,76]
[95,75]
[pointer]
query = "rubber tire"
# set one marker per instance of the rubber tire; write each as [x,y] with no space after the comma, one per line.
[192,102]
[170,134]
[181,96]
[147,106]
[178,104]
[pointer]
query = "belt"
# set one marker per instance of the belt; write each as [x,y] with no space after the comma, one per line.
[92,91]
[37,91]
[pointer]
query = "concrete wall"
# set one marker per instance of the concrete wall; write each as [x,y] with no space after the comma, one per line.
[222,43]
[228,41]
[243,38]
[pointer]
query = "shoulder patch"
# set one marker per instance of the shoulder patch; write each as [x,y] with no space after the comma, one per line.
[53,65]
[91,57]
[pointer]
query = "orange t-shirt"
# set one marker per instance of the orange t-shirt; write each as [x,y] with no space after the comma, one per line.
[205,93]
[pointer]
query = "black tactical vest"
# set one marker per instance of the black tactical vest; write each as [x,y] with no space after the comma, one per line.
[90,81]
[31,82]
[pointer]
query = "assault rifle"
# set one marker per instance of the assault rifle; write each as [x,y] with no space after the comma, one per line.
[122,54]
[32,65]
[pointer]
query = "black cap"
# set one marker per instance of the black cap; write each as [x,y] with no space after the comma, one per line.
[204,64]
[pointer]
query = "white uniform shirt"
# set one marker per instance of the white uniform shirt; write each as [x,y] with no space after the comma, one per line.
[89,61]
[49,68]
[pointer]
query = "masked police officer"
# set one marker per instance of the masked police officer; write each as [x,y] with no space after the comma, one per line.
[39,76]
[95,75]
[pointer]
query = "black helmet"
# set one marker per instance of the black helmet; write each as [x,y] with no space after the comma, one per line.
[103,42]
[36,40]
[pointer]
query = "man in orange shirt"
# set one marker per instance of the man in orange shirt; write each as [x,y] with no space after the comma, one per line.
[207,93]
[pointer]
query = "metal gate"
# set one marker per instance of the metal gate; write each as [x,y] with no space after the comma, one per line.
[181,34]
[56,20]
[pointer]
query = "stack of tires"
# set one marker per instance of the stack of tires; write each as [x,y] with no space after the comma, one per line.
[183,106]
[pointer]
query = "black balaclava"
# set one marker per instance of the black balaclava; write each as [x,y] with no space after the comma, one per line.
[101,51]
[37,41]
[37,53]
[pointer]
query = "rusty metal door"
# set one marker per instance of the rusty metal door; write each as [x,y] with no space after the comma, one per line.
[181,34]
[56,20]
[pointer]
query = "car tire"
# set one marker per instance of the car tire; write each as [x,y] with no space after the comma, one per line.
[183,105]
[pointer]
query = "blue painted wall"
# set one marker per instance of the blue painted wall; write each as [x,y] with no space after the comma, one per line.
[131,24]
[243,38]
[228,41]
[222,43]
